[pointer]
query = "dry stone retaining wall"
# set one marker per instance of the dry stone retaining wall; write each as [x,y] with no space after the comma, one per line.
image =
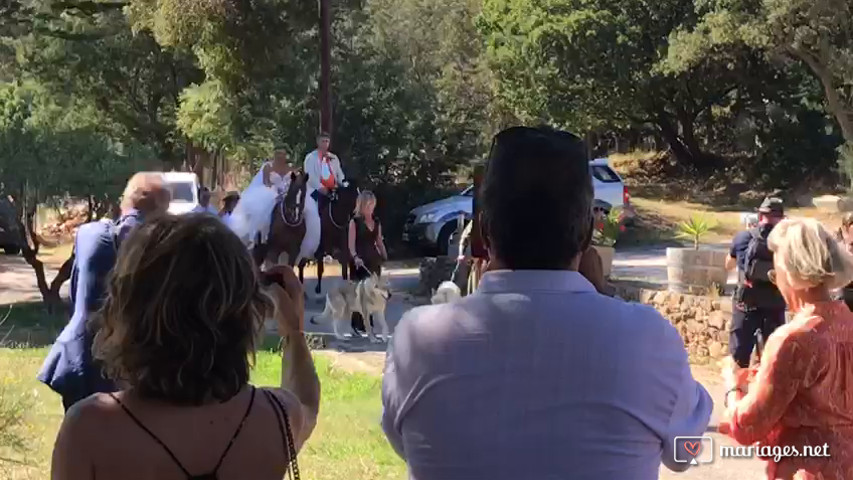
[703,322]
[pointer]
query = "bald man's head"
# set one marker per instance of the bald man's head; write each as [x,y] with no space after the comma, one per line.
[147,192]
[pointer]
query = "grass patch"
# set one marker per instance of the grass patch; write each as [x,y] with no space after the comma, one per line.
[657,221]
[29,323]
[348,441]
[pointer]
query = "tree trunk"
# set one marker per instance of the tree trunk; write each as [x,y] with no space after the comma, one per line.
[91,210]
[688,134]
[843,113]
[30,254]
[670,136]
[30,246]
[61,277]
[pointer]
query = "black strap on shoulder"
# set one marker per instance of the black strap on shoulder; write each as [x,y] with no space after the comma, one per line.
[286,433]
[236,432]
[212,474]
[151,434]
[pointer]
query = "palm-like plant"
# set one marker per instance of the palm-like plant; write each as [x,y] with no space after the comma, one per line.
[694,229]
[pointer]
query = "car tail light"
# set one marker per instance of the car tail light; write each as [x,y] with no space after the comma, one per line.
[626,197]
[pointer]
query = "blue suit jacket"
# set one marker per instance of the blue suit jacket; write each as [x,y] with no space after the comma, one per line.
[69,368]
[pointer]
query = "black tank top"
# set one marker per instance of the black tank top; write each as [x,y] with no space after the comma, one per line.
[283,427]
[365,239]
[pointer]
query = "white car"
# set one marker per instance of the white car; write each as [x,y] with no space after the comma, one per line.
[433,225]
[184,187]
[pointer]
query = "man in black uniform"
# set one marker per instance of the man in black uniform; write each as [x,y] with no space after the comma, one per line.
[757,303]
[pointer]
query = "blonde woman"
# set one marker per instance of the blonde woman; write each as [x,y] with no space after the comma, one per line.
[800,396]
[366,245]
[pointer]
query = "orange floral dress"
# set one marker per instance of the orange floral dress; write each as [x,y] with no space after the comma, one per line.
[802,395]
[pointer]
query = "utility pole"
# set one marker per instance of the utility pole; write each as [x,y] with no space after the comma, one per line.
[325,67]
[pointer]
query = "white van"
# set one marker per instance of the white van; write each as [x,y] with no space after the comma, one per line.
[184,186]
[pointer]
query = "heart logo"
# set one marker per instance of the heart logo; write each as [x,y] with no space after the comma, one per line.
[693,448]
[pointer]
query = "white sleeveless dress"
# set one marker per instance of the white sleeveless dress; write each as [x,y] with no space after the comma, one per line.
[253,212]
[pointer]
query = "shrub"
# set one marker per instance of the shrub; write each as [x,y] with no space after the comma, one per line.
[694,229]
[607,229]
[15,441]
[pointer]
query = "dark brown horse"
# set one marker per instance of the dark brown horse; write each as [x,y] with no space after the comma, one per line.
[335,213]
[287,224]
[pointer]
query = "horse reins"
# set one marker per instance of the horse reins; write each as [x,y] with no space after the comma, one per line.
[332,218]
[300,218]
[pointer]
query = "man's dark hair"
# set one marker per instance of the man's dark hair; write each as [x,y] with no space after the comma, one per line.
[324,135]
[537,198]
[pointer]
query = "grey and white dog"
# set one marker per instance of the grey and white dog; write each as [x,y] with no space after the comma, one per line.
[368,297]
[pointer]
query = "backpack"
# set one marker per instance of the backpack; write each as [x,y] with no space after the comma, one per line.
[755,290]
[758,260]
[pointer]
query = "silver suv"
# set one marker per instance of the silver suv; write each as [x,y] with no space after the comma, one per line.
[433,225]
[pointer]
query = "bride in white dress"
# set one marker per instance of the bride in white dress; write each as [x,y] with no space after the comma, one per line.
[253,212]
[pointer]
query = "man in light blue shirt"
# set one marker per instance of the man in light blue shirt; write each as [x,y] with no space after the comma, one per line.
[536,375]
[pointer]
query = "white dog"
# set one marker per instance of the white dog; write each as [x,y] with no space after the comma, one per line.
[367,297]
[447,292]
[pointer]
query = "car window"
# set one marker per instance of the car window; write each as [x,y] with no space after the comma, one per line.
[182,192]
[603,174]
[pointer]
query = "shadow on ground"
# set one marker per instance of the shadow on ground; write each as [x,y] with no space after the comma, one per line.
[29,324]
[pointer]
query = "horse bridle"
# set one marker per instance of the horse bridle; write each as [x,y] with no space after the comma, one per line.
[332,199]
[300,217]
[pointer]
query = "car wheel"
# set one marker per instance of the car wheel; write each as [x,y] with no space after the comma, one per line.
[12,250]
[444,238]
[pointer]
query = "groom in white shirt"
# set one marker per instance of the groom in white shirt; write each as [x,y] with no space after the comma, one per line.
[324,175]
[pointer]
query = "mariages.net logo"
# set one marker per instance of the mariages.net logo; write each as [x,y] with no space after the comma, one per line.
[699,450]
[694,450]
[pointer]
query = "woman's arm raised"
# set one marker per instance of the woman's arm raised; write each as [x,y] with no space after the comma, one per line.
[298,375]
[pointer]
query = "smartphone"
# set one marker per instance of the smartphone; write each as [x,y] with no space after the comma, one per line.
[478,248]
[268,278]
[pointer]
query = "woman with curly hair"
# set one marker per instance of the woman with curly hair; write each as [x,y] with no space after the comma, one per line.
[178,333]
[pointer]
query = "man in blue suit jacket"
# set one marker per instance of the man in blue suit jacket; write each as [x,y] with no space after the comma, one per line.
[70,368]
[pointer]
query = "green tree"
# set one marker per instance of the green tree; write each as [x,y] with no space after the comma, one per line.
[49,152]
[133,83]
[598,64]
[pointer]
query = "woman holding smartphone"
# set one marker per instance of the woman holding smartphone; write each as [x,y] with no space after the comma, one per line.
[178,331]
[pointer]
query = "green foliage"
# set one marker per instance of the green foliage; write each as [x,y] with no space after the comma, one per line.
[15,441]
[130,84]
[48,152]
[845,162]
[695,229]
[589,65]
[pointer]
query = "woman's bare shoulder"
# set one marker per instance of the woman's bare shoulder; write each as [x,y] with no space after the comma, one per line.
[286,397]
[297,415]
[91,414]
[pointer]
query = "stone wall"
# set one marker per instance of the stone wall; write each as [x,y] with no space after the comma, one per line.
[703,322]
